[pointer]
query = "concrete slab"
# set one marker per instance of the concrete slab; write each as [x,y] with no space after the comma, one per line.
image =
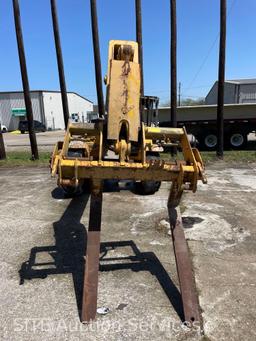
[43,237]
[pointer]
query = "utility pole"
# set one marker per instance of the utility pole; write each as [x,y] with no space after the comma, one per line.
[221,80]
[64,96]
[173,67]
[140,42]
[2,149]
[173,64]
[179,93]
[97,59]
[25,82]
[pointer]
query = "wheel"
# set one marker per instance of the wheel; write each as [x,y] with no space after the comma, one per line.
[86,187]
[208,141]
[237,140]
[72,191]
[148,187]
[75,153]
[22,131]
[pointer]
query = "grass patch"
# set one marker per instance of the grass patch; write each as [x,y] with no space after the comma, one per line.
[19,158]
[22,158]
[241,156]
[231,156]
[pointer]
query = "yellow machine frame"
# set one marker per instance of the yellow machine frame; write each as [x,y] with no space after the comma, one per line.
[121,147]
[125,132]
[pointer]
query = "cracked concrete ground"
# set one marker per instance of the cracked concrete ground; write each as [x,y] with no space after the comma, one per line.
[43,236]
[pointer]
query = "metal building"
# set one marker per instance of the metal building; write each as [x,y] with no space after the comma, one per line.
[47,108]
[235,91]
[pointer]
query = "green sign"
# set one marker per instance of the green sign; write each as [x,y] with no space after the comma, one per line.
[19,112]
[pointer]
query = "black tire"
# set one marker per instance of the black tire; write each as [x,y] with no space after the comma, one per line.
[208,141]
[148,187]
[237,140]
[72,191]
[75,153]
[84,186]
[22,131]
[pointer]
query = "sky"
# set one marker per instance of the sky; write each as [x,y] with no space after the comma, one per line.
[198,43]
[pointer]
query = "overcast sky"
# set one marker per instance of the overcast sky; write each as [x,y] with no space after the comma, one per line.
[198,27]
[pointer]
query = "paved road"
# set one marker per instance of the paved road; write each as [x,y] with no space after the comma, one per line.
[21,141]
[48,139]
[39,225]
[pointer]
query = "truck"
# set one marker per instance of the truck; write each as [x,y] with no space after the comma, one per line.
[201,122]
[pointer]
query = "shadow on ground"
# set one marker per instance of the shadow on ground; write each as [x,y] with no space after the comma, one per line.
[109,186]
[67,255]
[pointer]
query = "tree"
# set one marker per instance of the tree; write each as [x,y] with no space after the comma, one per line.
[187,102]
[190,101]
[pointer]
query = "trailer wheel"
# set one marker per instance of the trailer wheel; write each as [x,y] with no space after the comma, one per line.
[237,140]
[148,187]
[208,141]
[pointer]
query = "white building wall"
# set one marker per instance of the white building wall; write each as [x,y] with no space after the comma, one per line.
[53,111]
[79,105]
[12,100]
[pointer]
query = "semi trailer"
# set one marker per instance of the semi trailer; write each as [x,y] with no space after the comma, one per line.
[200,121]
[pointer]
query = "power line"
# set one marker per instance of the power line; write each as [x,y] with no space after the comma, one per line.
[166,91]
[166,98]
[209,51]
